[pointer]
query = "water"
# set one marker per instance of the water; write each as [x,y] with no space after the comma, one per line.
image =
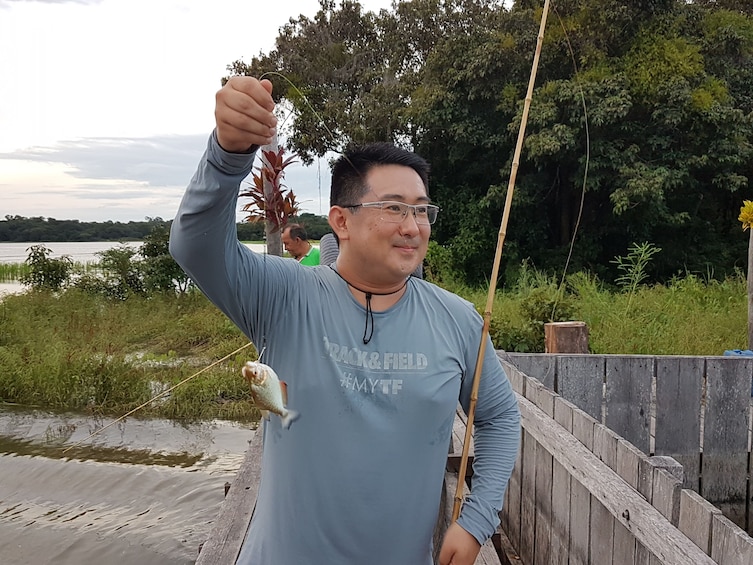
[79,251]
[144,492]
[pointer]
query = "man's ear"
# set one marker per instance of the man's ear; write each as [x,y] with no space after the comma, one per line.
[338,221]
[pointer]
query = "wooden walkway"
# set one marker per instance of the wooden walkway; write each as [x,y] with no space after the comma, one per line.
[226,537]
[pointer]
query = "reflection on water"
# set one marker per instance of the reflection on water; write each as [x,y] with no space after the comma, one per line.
[142,492]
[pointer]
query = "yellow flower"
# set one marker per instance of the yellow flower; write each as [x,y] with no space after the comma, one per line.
[746,214]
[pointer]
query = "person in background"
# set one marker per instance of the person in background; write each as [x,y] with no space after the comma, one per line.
[375,360]
[295,240]
[329,249]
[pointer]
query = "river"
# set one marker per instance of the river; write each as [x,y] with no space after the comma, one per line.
[78,251]
[143,492]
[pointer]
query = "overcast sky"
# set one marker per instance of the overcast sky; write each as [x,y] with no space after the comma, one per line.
[106,105]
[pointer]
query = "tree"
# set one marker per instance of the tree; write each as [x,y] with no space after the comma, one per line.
[161,272]
[640,127]
[270,202]
[46,273]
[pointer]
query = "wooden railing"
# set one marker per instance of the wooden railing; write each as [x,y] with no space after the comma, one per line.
[582,495]
[696,410]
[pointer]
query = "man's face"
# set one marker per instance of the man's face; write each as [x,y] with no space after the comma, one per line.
[387,250]
[292,246]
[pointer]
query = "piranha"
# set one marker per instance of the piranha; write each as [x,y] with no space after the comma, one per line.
[269,392]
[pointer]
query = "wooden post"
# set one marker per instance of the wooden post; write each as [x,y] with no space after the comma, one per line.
[566,337]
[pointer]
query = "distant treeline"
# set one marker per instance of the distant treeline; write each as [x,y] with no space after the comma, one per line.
[21,229]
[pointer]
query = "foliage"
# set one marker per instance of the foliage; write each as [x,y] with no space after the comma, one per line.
[123,276]
[45,273]
[120,273]
[161,273]
[633,267]
[76,351]
[82,352]
[270,202]
[19,228]
[640,125]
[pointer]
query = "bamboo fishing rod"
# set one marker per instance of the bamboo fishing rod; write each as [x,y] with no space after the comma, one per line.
[495,269]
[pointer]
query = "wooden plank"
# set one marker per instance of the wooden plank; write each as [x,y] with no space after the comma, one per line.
[628,462]
[750,478]
[227,535]
[725,438]
[580,379]
[540,367]
[527,547]
[666,495]
[730,545]
[580,520]
[583,428]
[543,501]
[628,398]
[560,523]
[602,532]
[679,389]
[605,445]
[516,377]
[619,499]
[623,550]
[545,401]
[513,507]
[563,413]
[696,519]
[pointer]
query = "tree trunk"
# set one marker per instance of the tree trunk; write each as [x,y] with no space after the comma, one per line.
[750,289]
[274,238]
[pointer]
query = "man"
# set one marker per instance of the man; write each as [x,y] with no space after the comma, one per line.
[295,240]
[380,360]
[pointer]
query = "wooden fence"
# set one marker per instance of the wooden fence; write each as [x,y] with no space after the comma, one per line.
[582,495]
[696,410]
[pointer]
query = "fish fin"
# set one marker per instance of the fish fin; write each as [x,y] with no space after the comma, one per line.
[265,414]
[289,417]
[284,390]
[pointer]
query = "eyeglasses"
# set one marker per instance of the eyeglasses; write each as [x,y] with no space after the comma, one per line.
[396,212]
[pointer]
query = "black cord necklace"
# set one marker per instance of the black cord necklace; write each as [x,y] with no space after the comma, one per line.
[367,335]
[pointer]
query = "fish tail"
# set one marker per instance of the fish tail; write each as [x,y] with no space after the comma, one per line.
[289,417]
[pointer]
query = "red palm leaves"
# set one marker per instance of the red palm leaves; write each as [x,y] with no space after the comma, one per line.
[277,204]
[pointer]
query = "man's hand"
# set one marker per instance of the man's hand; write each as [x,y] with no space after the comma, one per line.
[244,114]
[458,547]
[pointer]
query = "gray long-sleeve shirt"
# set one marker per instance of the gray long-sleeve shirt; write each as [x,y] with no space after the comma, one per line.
[357,478]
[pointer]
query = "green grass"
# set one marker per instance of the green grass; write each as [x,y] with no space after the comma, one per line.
[77,352]
[11,272]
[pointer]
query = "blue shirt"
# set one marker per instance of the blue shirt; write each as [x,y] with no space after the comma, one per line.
[357,478]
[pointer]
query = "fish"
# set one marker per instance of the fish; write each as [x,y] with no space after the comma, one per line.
[269,392]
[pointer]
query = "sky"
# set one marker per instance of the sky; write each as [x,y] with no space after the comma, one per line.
[106,105]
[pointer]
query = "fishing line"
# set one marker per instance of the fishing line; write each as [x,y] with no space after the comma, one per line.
[560,287]
[160,395]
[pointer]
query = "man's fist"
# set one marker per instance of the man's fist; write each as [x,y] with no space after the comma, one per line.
[244,114]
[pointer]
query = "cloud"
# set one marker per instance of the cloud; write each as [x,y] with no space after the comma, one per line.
[159,161]
[84,2]
[123,178]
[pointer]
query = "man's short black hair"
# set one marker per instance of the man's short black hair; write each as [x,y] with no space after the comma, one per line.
[297,231]
[349,171]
